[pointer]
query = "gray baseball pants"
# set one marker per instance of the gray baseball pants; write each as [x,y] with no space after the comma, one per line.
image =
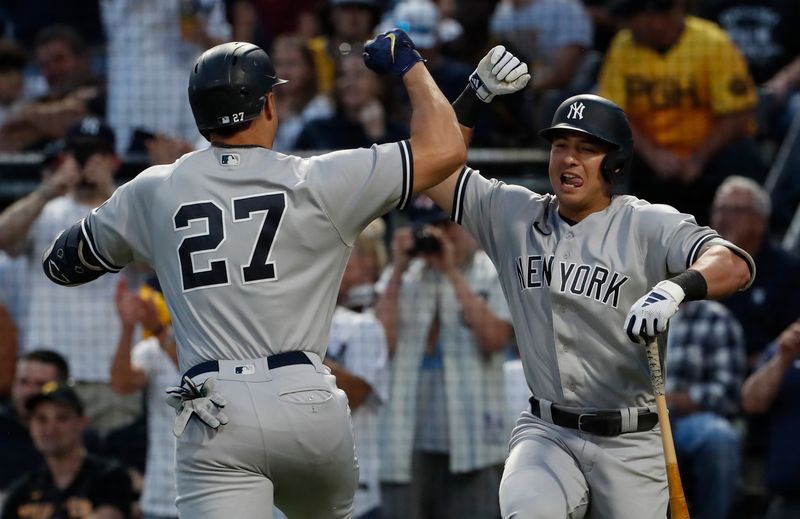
[289,442]
[554,472]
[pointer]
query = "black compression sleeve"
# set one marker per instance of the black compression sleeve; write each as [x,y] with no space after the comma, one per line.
[693,284]
[468,107]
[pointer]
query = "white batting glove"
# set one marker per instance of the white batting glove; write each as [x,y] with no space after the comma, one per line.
[499,73]
[650,314]
[202,401]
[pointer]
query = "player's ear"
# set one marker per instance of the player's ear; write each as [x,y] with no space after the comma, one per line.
[269,107]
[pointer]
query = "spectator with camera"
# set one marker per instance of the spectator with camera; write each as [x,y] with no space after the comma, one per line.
[80,324]
[448,327]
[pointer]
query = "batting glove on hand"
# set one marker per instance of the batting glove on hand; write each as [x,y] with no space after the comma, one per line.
[202,401]
[650,314]
[391,52]
[498,73]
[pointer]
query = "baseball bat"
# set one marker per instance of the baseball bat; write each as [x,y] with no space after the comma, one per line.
[677,499]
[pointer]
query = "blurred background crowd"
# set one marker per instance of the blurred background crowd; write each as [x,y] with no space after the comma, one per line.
[94,91]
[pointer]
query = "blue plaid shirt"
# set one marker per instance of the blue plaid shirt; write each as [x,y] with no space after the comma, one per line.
[706,356]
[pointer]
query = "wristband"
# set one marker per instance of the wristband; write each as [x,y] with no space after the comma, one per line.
[468,107]
[693,284]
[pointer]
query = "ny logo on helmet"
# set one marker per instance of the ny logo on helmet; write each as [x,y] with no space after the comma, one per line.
[576,110]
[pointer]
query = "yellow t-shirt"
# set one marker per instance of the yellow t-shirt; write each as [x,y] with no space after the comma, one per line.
[674,97]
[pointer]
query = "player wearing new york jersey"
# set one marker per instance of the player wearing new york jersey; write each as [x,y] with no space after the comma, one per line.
[573,266]
[249,246]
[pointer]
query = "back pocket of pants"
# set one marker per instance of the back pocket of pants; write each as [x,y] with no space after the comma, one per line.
[319,420]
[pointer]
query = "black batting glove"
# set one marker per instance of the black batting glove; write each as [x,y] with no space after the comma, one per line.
[392,52]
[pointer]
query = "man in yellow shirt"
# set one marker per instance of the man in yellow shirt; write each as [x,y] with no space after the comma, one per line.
[690,101]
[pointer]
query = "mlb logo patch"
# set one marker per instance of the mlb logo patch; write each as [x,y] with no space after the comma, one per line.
[247,369]
[229,159]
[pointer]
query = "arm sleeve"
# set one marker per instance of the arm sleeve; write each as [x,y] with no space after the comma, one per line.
[677,237]
[356,186]
[117,231]
[484,206]
[732,87]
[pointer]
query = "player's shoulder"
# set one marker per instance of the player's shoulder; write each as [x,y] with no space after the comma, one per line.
[706,30]
[623,41]
[641,208]
[501,188]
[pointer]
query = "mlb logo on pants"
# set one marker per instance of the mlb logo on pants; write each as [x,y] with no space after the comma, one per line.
[247,369]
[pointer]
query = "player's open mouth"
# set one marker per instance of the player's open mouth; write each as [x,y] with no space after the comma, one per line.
[571,180]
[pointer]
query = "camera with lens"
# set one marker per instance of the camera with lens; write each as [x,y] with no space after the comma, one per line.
[425,242]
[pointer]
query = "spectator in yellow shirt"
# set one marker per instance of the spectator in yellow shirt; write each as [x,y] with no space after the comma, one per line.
[690,100]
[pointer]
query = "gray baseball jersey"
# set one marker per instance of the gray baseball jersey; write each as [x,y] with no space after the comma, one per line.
[570,287]
[249,244]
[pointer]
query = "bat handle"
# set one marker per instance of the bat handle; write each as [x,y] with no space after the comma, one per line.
[677,498]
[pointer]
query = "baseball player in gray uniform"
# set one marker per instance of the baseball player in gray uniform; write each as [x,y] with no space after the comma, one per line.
[577,269]
[249,246]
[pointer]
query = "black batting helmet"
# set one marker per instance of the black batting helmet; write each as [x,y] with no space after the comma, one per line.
[602,119]
[229,85]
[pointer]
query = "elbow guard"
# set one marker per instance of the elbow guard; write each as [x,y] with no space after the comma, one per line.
[69,261]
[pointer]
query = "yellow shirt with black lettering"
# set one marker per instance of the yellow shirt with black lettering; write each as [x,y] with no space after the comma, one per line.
[674,97]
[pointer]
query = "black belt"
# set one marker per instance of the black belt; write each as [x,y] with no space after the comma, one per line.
[273,361]
[602,422]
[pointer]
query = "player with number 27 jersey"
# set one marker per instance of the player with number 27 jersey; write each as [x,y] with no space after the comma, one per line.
[296,220]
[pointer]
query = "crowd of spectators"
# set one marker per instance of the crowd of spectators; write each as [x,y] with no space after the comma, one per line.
[421,341]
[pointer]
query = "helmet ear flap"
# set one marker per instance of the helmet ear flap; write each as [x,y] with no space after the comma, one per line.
[615,165]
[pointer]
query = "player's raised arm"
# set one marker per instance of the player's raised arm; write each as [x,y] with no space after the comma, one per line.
[498,73]
[718,272]
[437,147]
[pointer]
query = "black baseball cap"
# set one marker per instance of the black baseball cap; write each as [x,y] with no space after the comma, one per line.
[90,132]
[56,392]
[628,8]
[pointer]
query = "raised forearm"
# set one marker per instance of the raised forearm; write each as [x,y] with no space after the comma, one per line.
[724,271]
[16,220]
[356,388]
[435,134]
[761,387]
[125,378]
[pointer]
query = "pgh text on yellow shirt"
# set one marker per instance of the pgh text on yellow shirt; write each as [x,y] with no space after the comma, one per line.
[674,97]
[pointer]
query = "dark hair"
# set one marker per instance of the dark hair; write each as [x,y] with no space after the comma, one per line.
[49,357]
[63,33]
[12,57]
